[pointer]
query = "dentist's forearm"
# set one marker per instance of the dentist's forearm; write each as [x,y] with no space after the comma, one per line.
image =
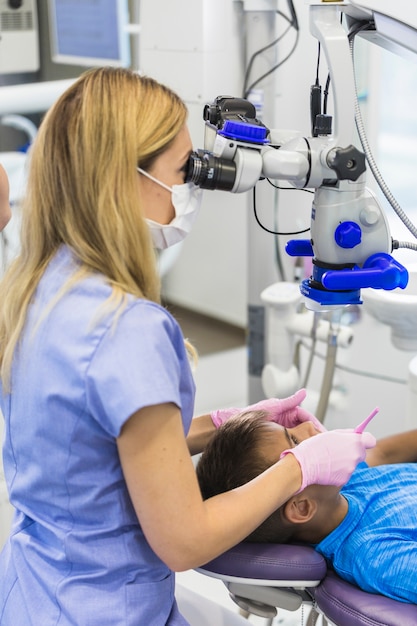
[201,431]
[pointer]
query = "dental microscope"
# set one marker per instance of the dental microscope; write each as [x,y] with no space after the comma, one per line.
[350,245]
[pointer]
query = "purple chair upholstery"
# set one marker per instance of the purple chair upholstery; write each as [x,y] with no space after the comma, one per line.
[340,602]
[272,562]
[345,604]
[263,577]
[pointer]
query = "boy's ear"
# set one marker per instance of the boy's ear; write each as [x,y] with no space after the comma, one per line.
[300,509]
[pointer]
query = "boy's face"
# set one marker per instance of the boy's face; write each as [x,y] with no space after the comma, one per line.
[280,438]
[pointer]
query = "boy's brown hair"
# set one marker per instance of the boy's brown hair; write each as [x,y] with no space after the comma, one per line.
[234,457]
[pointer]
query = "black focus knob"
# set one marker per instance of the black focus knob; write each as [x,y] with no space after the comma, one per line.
[348,163]
[15,4]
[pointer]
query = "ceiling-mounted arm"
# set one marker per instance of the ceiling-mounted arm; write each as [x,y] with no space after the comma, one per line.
[325,25]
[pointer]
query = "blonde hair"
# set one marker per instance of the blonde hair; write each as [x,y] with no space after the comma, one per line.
[83,191]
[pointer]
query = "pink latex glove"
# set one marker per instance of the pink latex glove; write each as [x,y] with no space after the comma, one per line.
[285,412]
[331,457]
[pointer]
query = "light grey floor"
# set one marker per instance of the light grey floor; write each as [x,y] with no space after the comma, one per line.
[208,335]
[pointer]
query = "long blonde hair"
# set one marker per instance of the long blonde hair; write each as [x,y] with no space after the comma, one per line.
[83,191]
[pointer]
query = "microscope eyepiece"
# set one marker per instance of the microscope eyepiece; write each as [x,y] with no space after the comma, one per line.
[210,172]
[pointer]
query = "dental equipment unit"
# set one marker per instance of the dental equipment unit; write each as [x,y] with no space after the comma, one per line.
[350,241]
[350,246]
[351,249]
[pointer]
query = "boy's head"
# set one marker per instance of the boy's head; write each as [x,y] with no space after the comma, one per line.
[241,449]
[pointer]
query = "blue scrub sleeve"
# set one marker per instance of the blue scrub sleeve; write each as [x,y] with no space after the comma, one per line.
[141,361]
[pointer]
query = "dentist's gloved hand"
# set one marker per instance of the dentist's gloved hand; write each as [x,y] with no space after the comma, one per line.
[285,412]
[331,457]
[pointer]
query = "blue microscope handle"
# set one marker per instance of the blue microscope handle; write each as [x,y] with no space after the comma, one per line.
[380,271]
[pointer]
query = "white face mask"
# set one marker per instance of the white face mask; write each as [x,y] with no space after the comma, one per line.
[186,200]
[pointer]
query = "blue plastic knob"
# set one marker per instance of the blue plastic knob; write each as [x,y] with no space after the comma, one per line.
[380,271]
[299,247]
[244,131]
[348,235]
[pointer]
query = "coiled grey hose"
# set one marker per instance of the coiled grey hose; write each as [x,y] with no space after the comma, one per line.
[375,171]
[330,364]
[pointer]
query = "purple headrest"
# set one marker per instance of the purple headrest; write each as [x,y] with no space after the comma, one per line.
[344,604]
[269,562]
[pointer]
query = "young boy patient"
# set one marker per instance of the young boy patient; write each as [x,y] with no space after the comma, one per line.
[367,530]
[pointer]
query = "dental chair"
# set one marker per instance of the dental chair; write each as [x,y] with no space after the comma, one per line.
[263,577]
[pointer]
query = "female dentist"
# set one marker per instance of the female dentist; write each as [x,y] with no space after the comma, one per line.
[96,385]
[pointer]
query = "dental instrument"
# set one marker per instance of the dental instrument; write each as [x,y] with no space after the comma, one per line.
[361,427]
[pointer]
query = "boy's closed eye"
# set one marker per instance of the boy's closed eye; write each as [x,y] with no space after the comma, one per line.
[291,438]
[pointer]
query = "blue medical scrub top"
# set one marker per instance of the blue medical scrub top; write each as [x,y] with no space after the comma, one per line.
[77,554]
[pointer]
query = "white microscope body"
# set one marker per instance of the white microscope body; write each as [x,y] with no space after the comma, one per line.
[350,244]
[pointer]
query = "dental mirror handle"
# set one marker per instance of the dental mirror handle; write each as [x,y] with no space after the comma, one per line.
[359,429]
